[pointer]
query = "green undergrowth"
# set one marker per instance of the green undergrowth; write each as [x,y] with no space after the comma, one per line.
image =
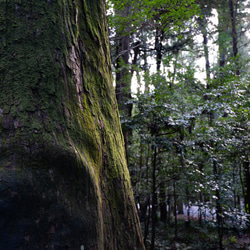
[194,236]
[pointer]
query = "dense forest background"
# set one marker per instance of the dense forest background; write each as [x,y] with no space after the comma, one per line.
[181,71]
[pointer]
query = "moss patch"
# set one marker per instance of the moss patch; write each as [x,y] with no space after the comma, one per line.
[59,124]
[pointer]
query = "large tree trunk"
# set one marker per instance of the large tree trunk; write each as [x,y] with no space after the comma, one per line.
[64,182]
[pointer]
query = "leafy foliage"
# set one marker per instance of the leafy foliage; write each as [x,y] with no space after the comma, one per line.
[190,140]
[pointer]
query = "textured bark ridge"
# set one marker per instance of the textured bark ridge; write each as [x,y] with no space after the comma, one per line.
[64,182]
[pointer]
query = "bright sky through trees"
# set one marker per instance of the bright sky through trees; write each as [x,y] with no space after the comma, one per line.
[200,73]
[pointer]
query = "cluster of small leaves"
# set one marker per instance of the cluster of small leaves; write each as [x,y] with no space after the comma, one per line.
[177,121]
[200,132]
[146,12]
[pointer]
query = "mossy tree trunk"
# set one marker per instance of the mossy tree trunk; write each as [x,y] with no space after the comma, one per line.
[64,182]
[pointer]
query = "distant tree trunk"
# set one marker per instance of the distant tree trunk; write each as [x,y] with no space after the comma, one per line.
[122,73]
[175,212]
[234,34]
[64,179]
[123,76]
[145,58]
[169,211]
[154,200]
[159,35]
[136,49]
[147,200]
[200,210]
[172,81]
[247,185]
[180,206]
[218,208]
[223,27]
[203,26]
[147,220]
[187,205]
[163,204]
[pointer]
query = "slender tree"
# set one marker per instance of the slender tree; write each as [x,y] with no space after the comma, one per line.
[203,26]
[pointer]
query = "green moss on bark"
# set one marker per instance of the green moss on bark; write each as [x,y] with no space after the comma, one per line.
[62,152]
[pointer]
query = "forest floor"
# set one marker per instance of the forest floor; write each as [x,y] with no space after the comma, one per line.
[193,236]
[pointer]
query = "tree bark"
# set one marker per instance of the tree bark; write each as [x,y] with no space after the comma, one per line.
[223,27]
[163,204]
[64,182]
[159,36]
[123,76]
[234,34]
[203,27]
[218,208]
[247,185]
[154,200]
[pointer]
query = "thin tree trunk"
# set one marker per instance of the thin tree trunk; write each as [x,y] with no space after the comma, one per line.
[200,212]
[222,39]
[123,78]
[175,212]
[219,217]
[188,205]
[163,205]
[242,183]
[159,35]
[169,209]
[154,200]
[203,26]
[247,185]
[234,34]
[147,221]
[147,218]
